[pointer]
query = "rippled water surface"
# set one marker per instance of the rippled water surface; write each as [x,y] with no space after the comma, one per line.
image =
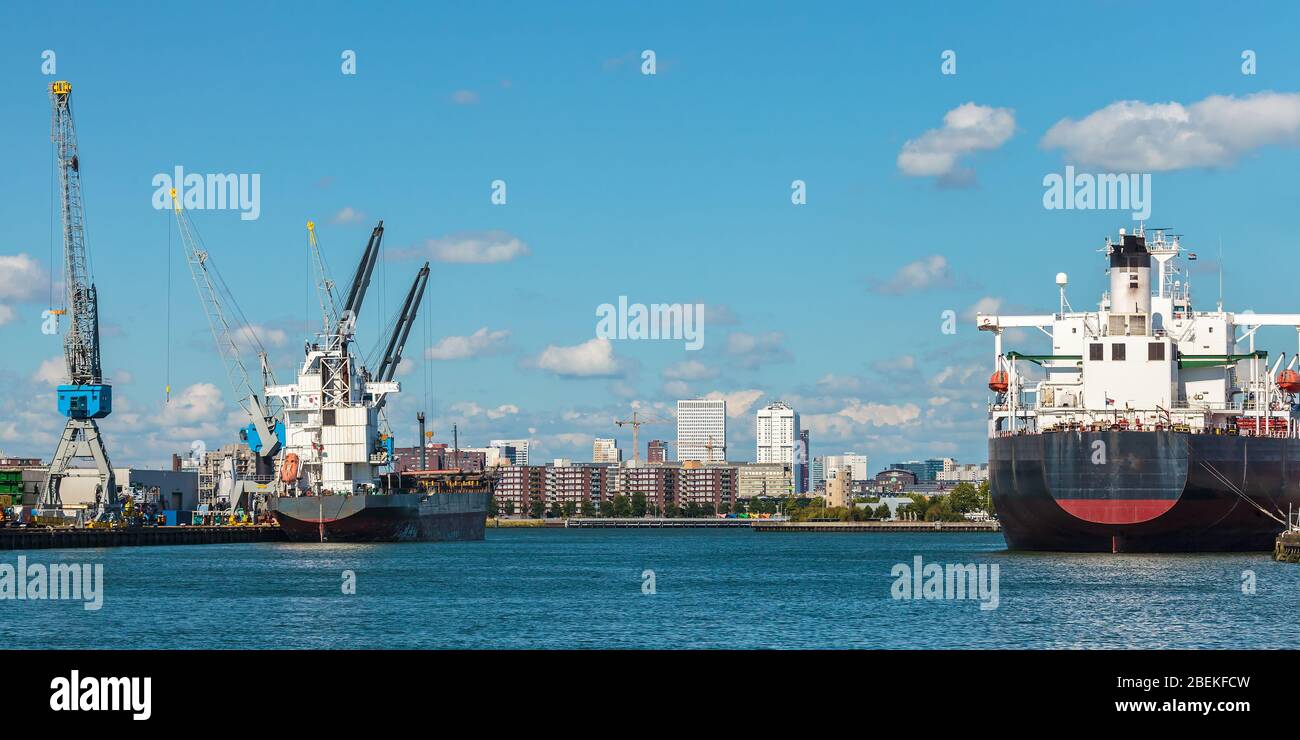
[527,588]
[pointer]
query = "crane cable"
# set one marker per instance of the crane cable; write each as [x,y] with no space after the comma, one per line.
[54,164]
[168,388]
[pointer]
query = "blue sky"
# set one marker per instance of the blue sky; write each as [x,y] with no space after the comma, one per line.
[666,188]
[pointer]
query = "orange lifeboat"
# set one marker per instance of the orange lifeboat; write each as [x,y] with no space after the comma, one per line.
[1289,381]
[998,382]
[289,470]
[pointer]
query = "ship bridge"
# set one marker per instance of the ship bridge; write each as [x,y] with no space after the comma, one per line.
[1145,359]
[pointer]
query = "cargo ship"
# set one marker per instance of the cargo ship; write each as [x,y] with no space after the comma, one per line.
[1150,426]
[333,479]
[392,516]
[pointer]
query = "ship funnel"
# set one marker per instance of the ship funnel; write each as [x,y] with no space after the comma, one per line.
[1130,284]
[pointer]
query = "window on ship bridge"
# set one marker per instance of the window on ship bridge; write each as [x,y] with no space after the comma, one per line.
[1117,352]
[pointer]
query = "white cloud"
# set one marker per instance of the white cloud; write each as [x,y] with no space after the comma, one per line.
[689,370]
[839,383]
[720,314]
[479,247]
[857,419]
[482,342]
[880,414]
[200,402]
[348,215]
[563,439]
[471,409]
[464,97]
[988,304]
[677,389]
[899,363]
[1133,136]
[738,402]
[594,357]
[21,277]
[53,371]
[753,350]
[249,336]
[927,272]
[966,129]
[951,374]
[405,367]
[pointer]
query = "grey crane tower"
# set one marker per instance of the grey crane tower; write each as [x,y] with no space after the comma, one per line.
[86,397]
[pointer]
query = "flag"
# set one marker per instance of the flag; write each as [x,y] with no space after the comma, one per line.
[1110,401]
[1191,256]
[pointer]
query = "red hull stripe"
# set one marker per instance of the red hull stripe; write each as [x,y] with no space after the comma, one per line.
[1102,511]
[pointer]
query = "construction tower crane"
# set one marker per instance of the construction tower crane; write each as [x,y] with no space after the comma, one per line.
[636,423]
[86,397]
[265,432]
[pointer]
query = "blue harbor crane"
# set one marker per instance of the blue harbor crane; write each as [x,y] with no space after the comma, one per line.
[265,432]
[86,397]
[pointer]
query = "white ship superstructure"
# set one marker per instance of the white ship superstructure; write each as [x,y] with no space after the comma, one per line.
[1146,359]
[334,441]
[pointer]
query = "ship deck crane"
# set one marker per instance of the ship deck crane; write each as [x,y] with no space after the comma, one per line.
[86,397]
[265,432]
[402,327]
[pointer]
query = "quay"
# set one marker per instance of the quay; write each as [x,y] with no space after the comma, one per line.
[42,538]
[762,525]
[660,523]
[1287,549]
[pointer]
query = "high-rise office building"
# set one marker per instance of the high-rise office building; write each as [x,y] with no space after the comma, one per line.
[777,433]
[802,458]
[605,451]
[521,449]
[702,430]
[857,465]
[816,474]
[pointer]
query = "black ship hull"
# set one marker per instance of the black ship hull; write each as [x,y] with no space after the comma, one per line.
[396,517]
[1143,491]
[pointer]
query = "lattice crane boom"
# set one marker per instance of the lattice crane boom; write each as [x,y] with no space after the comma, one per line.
[225,328]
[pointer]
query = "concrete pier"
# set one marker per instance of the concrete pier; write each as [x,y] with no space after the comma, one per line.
[948,527]
[660,523]
[42,538]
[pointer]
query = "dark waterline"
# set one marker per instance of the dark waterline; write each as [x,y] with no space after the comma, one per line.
[527,588]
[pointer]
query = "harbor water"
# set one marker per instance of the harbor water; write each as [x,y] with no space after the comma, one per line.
[603,588]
